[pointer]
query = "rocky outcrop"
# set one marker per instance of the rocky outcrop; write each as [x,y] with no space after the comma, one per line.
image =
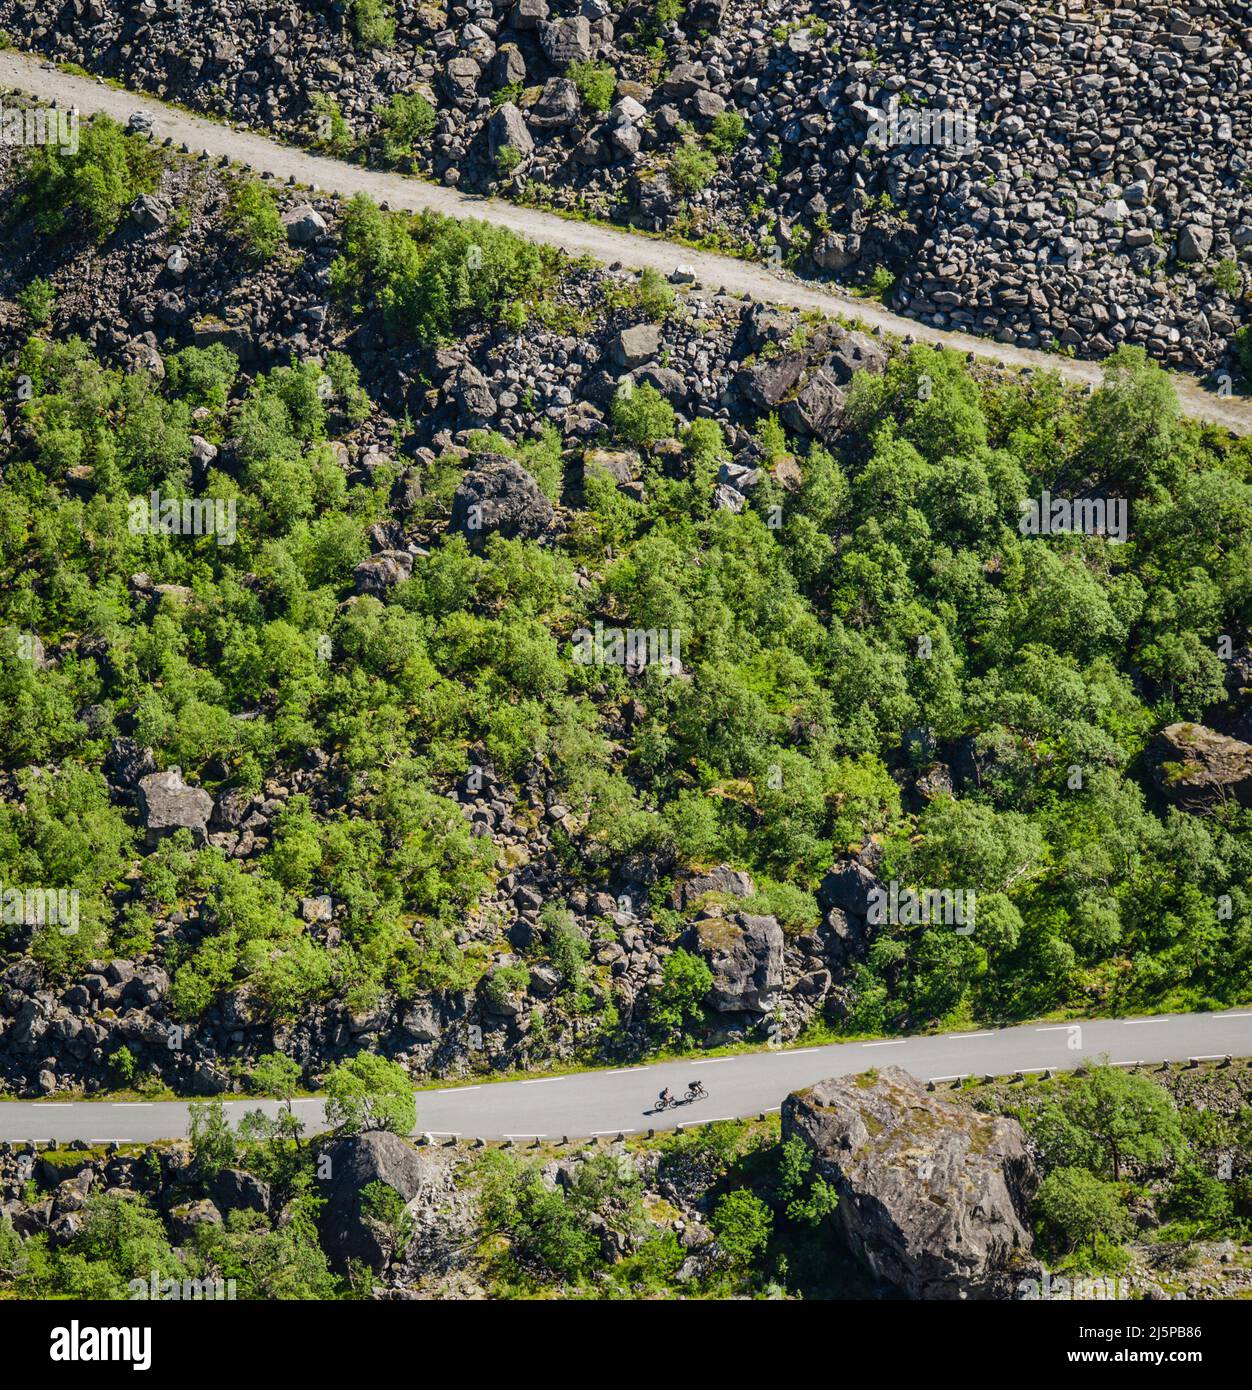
[1199,768]
[932,1195]
[377,1156]
[692,886]
[499,496]
[168,803]
[745,954]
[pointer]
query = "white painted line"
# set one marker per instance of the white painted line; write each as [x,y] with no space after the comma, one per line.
[899,1042]
[1130,1022]
[1027,1071]
[543,1080]
[960,1037]
[1232,1015]
[306,1101]
[1208,1057]
[599,1133]
[717,1120]
[711,1061]
[774,1110]
[625,1071]
[960,1076]
[55,1105]
[457,1090]
[131,1104]
[796,1051]
[1058,1028]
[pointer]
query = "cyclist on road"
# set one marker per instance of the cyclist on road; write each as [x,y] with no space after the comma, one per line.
[665,1098]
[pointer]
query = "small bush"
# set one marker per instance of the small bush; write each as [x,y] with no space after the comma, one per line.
[36,302]
[1242,343]
[691,167]
[595,82]
[93,186]
[373,23]
[1227,278]
[656,297]
[331,130]
[252,216]
[508,160]
[642,415]
[727,132]
[407,120]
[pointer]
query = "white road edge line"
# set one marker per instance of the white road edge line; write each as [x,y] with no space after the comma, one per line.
[895,1042]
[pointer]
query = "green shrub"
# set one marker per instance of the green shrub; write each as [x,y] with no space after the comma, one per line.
[1242,342]
[431,274]
[373,23]
[677,1003]
[596,83]
[691,167]
[1228,278]
[203,376]
[36,301]
[743,1224]
[93,186]
[508,161]
[641,415]
[331,130]
[252,216]
[727,132]
[407,121]
[656,295]
[505,981]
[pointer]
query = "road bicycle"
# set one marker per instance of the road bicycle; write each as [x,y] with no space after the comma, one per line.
[694,1092]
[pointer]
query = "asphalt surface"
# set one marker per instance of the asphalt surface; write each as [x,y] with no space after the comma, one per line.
[33,76]
[622,1100]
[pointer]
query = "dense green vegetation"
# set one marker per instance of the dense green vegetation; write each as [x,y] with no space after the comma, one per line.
[836,638]
[94,186]
[1114,1145]
[431,275]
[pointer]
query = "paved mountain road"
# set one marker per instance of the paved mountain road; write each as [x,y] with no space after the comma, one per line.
[36,78]
[621,1100]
